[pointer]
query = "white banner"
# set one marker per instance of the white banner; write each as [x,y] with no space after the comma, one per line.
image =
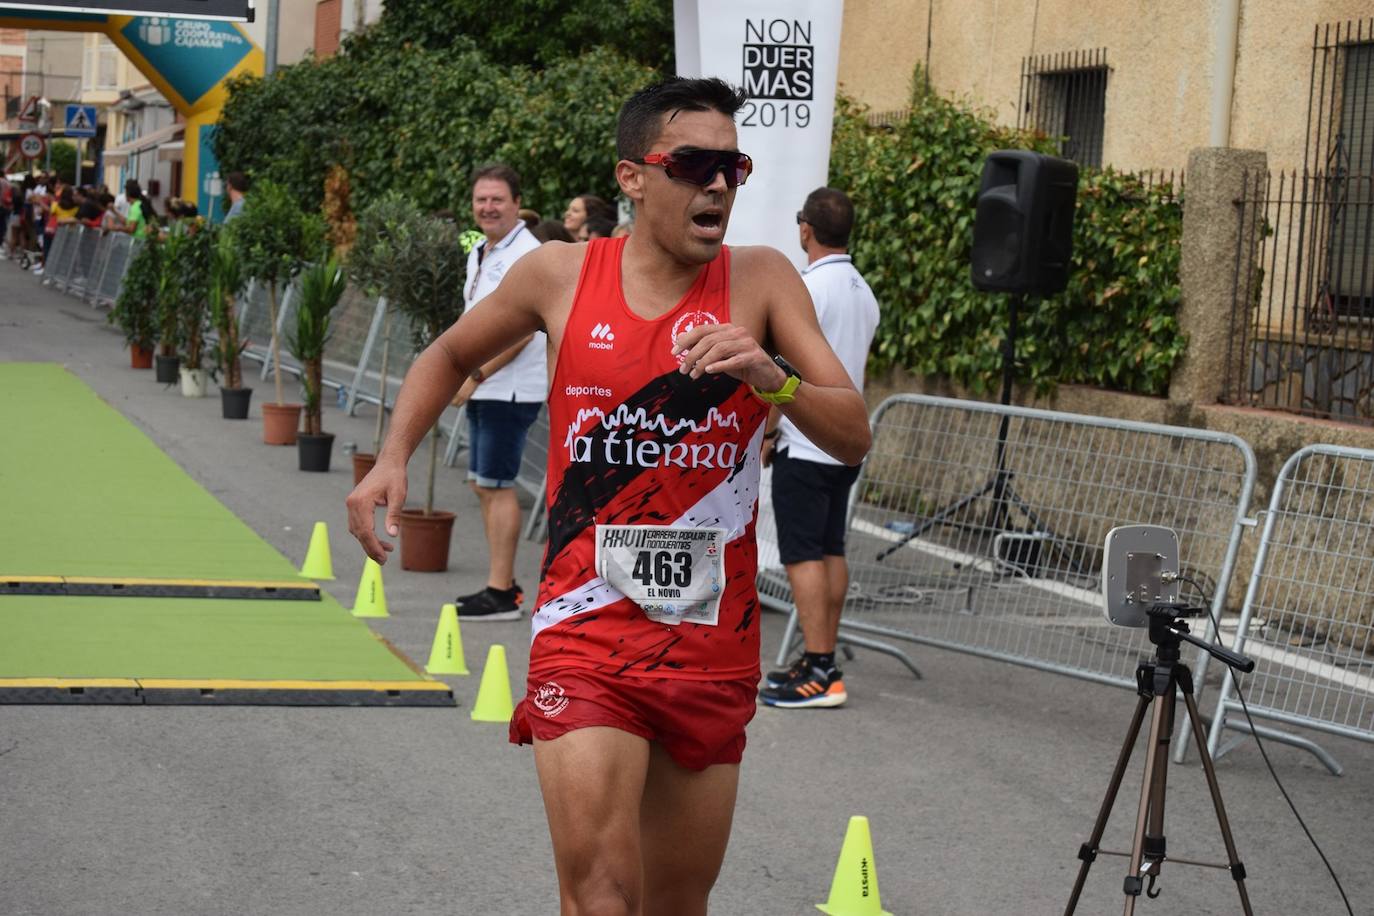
[785,55]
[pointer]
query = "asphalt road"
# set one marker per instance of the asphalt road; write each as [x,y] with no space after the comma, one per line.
[980,782]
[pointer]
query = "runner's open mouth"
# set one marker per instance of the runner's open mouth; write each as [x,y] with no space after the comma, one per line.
[707,220]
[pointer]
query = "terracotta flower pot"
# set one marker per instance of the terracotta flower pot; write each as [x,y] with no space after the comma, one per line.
[280,422]
[140,357]
[425,540]
[362,463]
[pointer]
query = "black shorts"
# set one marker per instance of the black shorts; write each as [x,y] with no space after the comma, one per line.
[810,500]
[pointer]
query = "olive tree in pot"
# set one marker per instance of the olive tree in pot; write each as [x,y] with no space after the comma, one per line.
[188,249]
[380,262]
[135,310]
[432,298]
[226,284]
[322,285]
[273,236]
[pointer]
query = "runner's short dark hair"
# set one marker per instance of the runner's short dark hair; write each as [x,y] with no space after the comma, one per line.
[641,117]
[238,181]
[830,214]
[501,172]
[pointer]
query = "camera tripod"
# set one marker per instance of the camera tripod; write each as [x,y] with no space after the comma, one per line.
[1161,679]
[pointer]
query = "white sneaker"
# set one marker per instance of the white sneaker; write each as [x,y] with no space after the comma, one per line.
[38,271]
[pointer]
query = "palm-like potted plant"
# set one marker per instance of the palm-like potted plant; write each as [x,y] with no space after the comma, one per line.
[322,285]
[135,310]
[188,262]
[273,237]
[226,285]
[433,300]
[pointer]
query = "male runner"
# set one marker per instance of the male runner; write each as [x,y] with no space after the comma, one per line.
[646,647]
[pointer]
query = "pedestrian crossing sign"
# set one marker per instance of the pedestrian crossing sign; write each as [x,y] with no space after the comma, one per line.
[80,121]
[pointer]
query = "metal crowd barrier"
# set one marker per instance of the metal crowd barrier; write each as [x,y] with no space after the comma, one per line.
[89,243]
[120,248]
[936,557]
[1308,616]
[58,263]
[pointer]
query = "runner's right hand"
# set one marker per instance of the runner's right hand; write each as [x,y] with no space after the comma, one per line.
[384,485]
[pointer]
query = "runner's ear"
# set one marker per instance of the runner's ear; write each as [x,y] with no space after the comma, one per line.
[630,177]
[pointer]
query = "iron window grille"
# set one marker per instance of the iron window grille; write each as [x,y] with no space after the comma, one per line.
[1339,153]
[1064,96]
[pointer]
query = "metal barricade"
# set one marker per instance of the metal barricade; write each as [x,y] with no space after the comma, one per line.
[60,256]
[1308,616]
[89,245]
[394,334]
[951,547]
[120,248]
[257,322]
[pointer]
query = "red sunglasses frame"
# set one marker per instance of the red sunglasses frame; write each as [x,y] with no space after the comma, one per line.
[668,160]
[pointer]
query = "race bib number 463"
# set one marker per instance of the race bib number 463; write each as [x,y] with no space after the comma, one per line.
[673,574]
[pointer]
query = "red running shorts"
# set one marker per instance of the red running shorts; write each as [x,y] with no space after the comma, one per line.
[699,723]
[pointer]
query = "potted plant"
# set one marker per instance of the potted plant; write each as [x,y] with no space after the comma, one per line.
[432,299]
[379,260]
[168,315]
[322,285]
[273,236]
[188,249]
[226,284]
[135,311]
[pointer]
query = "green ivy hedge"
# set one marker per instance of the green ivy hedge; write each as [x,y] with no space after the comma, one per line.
[915,184]
[418,121]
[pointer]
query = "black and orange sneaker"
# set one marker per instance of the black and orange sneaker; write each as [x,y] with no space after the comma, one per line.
[783,675]
[814,687]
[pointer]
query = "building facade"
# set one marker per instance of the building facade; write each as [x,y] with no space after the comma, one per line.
[1140,83]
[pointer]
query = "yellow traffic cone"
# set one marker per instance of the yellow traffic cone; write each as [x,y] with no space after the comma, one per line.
[317,564]
[494,702]
[446,656]
[854,889]
[371,599]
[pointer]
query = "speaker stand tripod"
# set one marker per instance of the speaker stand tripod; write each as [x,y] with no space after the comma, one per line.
[1004,497]
[1158,681]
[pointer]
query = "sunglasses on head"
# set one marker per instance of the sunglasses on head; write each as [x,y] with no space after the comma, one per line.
[699,166]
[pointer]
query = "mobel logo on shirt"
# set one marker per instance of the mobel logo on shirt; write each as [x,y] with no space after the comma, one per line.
[628,436]
[602,337]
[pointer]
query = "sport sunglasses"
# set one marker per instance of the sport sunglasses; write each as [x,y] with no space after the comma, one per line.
[699,166]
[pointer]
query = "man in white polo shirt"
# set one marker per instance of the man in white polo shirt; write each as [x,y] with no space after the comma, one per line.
[503,397]
[811,489]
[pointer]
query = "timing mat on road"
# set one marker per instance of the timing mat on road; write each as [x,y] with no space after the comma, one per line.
[122,580]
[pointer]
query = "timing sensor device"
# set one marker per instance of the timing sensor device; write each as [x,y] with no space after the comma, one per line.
[1139,570]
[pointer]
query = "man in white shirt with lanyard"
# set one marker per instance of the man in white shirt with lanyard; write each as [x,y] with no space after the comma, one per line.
[811,489]
[503,396]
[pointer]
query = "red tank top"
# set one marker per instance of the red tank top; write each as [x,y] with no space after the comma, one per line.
[632,441]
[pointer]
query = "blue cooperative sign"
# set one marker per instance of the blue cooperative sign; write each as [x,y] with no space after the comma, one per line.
[80,121]
[192,54]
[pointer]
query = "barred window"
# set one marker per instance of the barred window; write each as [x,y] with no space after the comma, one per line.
[1064,96]
[1340,154]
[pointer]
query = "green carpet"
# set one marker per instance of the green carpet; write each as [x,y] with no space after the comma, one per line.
[87,494]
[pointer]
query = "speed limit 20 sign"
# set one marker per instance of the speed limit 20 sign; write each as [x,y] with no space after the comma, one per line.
[31,146]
